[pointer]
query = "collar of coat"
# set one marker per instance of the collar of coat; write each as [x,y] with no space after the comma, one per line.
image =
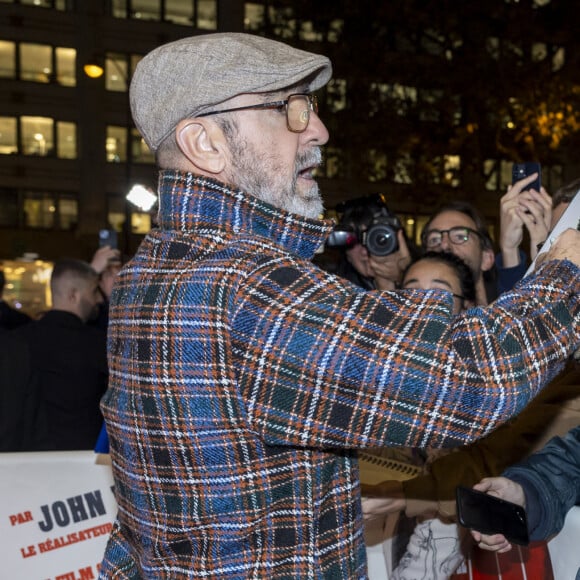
[191,203]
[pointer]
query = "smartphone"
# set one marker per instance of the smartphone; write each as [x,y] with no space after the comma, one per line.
[521,170]
[490,515]
[108,238]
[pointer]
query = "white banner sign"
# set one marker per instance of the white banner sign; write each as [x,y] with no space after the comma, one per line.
[56,512]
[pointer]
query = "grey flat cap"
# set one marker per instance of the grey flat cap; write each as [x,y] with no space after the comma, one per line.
[191,76]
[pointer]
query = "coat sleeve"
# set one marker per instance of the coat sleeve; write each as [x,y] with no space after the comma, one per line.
[550,479]
[324,365]
[508,444]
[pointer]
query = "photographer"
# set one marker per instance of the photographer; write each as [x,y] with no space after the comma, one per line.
[375,249]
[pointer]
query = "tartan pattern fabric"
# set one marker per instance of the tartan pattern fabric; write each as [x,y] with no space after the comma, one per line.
[242,379]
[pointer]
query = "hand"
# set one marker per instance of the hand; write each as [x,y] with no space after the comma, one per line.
[384,498]
[537,217]
[103,256]
[503,488]
[518,208]
[566,247]
[388,270]
[496,543]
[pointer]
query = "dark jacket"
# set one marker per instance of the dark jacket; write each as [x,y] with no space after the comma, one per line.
[551,482]
[11,318]
[68,363]
[20,423]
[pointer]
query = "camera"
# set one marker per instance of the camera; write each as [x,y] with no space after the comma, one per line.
[380,238]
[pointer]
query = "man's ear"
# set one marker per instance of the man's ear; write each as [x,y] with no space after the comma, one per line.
[487,260]
[73,294]
[203,143]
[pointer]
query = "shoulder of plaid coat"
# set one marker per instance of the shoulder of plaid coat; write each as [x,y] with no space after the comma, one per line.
[243,379]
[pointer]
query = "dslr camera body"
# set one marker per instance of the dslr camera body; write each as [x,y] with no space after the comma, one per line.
[380,238]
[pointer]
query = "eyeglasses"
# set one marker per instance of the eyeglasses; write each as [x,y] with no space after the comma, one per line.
[297,107]
[457,236]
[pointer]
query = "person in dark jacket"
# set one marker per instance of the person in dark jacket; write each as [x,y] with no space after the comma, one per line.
[67,361]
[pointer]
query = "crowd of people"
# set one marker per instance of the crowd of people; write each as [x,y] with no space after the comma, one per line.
[242,379]
[426,542]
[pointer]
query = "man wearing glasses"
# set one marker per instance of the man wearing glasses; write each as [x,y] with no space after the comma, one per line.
[243,377]
[458,228]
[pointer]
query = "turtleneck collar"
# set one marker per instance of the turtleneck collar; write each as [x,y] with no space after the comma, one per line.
[189,202]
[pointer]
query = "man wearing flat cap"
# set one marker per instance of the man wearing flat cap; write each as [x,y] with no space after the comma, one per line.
[243,378]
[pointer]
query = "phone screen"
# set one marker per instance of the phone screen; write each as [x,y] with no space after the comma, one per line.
[521,170]
[491,515]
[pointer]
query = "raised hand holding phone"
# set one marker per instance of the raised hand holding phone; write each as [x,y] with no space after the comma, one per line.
[492,515]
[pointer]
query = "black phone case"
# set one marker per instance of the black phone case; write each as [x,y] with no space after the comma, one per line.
[108,238]
[491,515]
[521,170]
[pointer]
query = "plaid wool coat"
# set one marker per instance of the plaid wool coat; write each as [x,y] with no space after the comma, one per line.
[244,378]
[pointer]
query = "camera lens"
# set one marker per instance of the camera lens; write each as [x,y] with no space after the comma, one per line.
[381,240]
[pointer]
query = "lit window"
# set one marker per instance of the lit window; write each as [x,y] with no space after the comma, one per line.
[140,222]
[135,58]
[119,8]
[207,14]
[140,152]
[67,213]
[253,16]
[39,210]
[8,143]
[179,12]
[35,62]
[48,210]
[146,9]
[37,136]
[66,66]
[117,208]
[116,144]
[66,140]
[7,59]
[116,74]
[38,3]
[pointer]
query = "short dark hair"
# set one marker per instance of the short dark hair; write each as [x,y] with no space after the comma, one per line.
[71,267]
[360,212]
[566,193]
[463,271]
[471,212]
